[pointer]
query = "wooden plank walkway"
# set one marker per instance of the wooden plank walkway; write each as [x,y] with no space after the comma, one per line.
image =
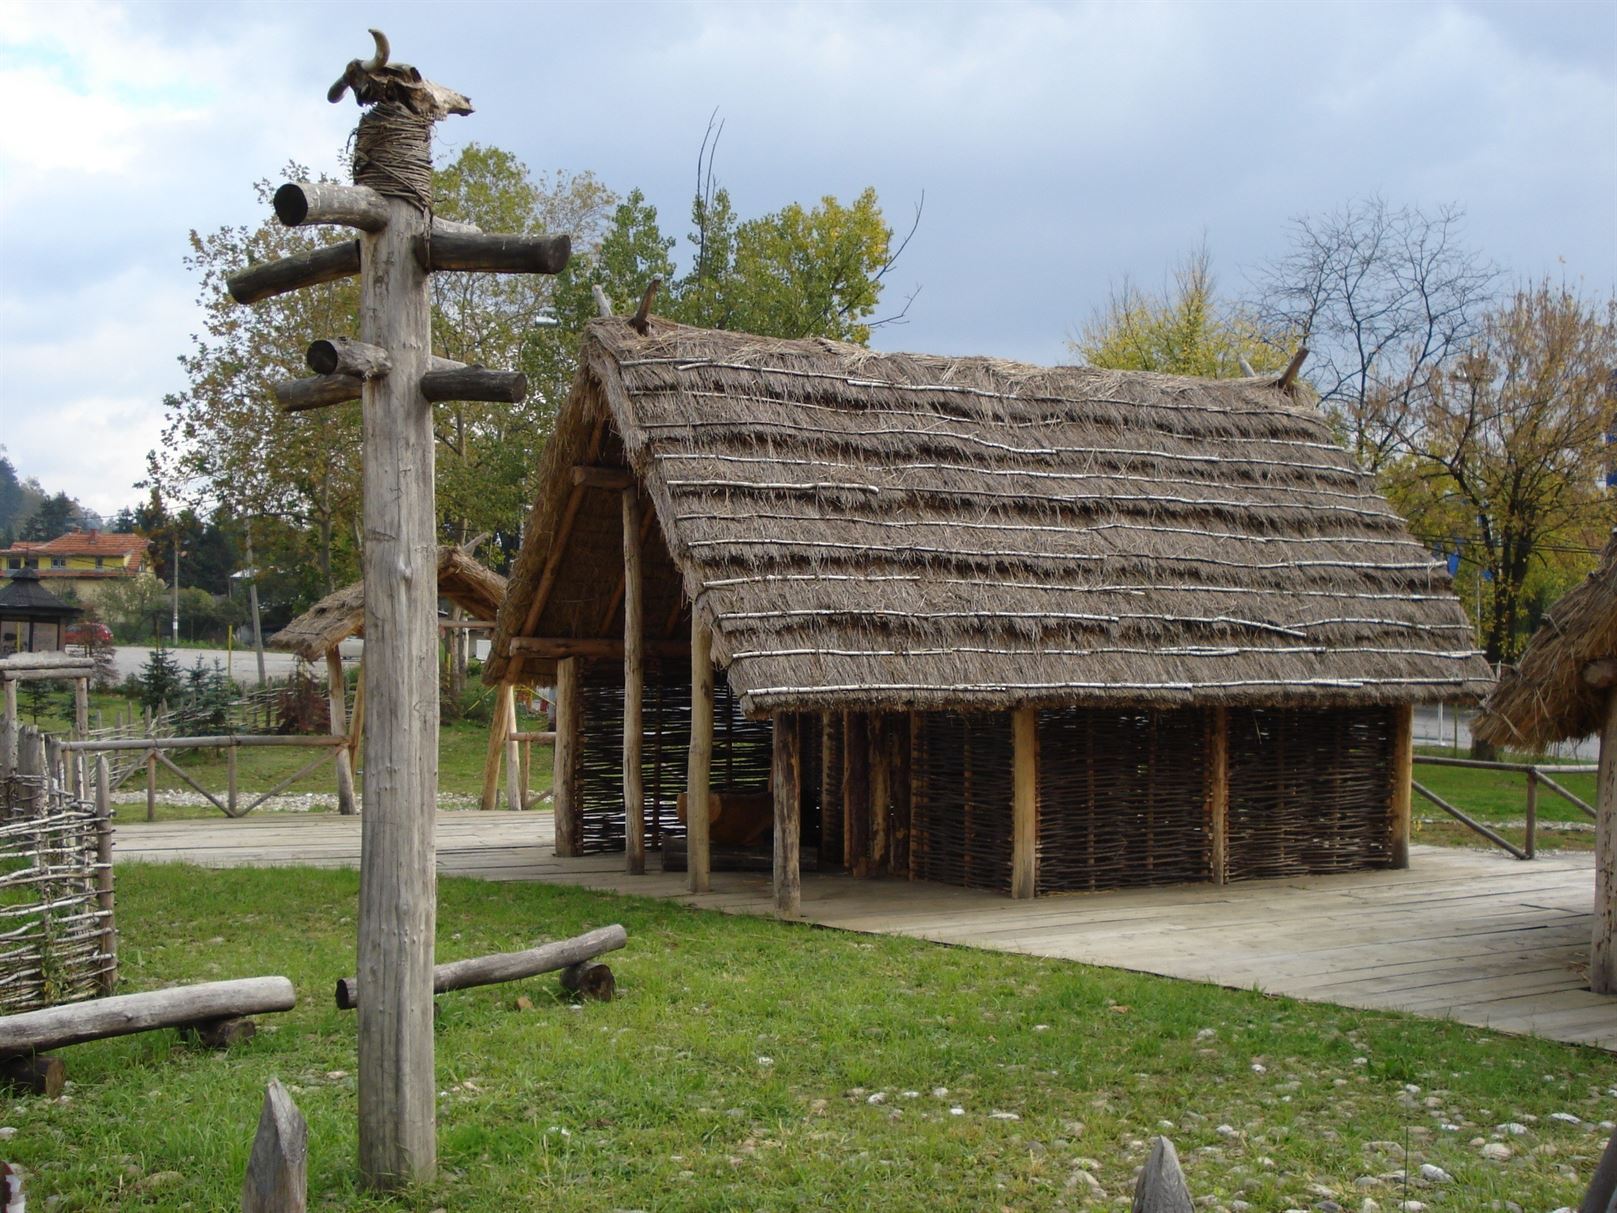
[1469,935]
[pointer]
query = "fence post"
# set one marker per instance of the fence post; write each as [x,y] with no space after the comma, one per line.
[151,785]
[8,743]
[1532,812]
[230,776]
[108,981]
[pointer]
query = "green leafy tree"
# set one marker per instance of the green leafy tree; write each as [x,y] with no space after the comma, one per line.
[1185,330]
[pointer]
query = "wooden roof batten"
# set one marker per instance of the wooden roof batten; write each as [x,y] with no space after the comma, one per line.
[864,530]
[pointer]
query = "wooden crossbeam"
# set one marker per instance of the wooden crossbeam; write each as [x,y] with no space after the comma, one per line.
[601,647]
[345,356]
[493,254]
[613,479]
[475,383]
[261,282]
[317,392]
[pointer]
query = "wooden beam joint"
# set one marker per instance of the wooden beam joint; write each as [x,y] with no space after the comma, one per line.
[613,479]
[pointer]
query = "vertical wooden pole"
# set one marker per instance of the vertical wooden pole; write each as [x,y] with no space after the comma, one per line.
[830,786]
[522,775]
[107,981]
[1403,771]
[8,743]
[151,785]
[1218,792]
[787,792]
[698,858]
[81,708]
[1025,802]
[1603,946]
[569,715]
[1530,839]
[881,790]
[856,792]
[337,699]
[356,723]
[513,750]
[634,688]
[231,753]
[499,728]
[398,877]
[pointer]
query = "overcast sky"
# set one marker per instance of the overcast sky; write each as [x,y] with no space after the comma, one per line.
[1060,147]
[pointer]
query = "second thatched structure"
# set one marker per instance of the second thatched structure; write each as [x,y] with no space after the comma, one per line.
[1564,688]
[316,634]
[963,620]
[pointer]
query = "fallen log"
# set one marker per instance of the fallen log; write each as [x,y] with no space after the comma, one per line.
[506,966]
[126,1014]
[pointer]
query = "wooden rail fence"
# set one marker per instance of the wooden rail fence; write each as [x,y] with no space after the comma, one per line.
[1537,776]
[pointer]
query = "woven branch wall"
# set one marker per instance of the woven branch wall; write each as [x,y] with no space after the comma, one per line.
[742,750]
[56,943]
[960,827]
[1309,791]
[830,791]
[1121,799]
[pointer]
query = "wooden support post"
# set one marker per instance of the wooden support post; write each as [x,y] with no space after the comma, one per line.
[523,775]
[787,788]
[499,728]
[1025,802]
[231,808]
[1530,835]
[634,688]
[336,698]
[278,1168]
[1218,793]
[151,782]
[856,793]
[698,858]
[569,729]
[107,980]
[8,743]
[881,790]
[1403,774]
[830,724]
[81,708]
[1603,946]
[513,750]
[398,873]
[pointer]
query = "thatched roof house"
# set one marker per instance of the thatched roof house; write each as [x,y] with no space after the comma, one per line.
[339,615]
[962,537]
[1545,697]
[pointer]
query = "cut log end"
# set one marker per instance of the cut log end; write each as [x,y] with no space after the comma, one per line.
[291,204]
[591,980]
[347,993]
[38,1074]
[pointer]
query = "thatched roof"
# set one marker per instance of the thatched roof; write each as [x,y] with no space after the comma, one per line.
[1543,698]
[469,585]
[865,529]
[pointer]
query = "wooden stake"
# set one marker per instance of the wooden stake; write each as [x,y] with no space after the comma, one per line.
[8,744]
[1025,802]
[787,786]
[337,698]
[499,728]
[569,727]
[151,783]
[1603,947]
[1403,774]
[278,1168]
[634,688]
[513,747]
[699,770]
[81,708]
[105,904]
[398,875]
[1218,792]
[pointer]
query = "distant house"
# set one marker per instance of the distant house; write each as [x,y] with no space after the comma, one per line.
[82,561]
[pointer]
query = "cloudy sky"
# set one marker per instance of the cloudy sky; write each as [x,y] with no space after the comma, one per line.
[1060,148]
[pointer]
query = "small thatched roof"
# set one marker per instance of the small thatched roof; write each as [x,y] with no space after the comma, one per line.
[882,530]
[469,585]
[1543,698]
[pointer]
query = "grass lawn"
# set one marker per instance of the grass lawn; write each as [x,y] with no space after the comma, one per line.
[753,1065]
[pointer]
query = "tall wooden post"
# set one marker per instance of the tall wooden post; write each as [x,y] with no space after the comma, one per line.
[634,688]
[499,729]
[786,785]
[1603,949]
[698,772]
[337,698]
[1218,793]
[1024,802]
[1403,772]
[8,741]
[81,708]
[513,752]
[569,718]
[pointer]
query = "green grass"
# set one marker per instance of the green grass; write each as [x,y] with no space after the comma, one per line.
[738,1067]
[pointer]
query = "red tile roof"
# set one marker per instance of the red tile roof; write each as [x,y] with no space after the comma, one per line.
[84,543]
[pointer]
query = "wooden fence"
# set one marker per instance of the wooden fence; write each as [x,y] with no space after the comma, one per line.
[1537,776]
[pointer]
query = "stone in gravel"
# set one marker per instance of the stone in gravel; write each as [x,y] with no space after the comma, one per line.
[7,1133]
[1512,1128]
[1434,1174]
[1004,1116]
[1566,1118]
[1367,1181]
[1369,1206]
[1225,1130]
[1495,1151]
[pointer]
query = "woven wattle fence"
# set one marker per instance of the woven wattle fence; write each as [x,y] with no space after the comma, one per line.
[56,929]
[1309,791]
[1121,799]
[960,829]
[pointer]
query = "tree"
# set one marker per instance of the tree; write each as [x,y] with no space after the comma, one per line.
[1506,450]
[1385,299]
[1185,330]
[160,679]
[54,516]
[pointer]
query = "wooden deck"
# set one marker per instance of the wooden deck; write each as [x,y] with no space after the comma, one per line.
[1469,935]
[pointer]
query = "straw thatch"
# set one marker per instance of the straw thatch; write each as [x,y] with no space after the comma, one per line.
[1543,698]
[469,585]
[888,530]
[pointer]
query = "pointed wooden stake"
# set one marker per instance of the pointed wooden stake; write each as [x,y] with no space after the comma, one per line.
[277,1172]
[1162,1187]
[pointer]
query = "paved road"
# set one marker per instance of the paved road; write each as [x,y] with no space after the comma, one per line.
[242,664]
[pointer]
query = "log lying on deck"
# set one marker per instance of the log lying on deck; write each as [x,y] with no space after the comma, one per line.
[261,282]
[506,966]
[126,1014]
